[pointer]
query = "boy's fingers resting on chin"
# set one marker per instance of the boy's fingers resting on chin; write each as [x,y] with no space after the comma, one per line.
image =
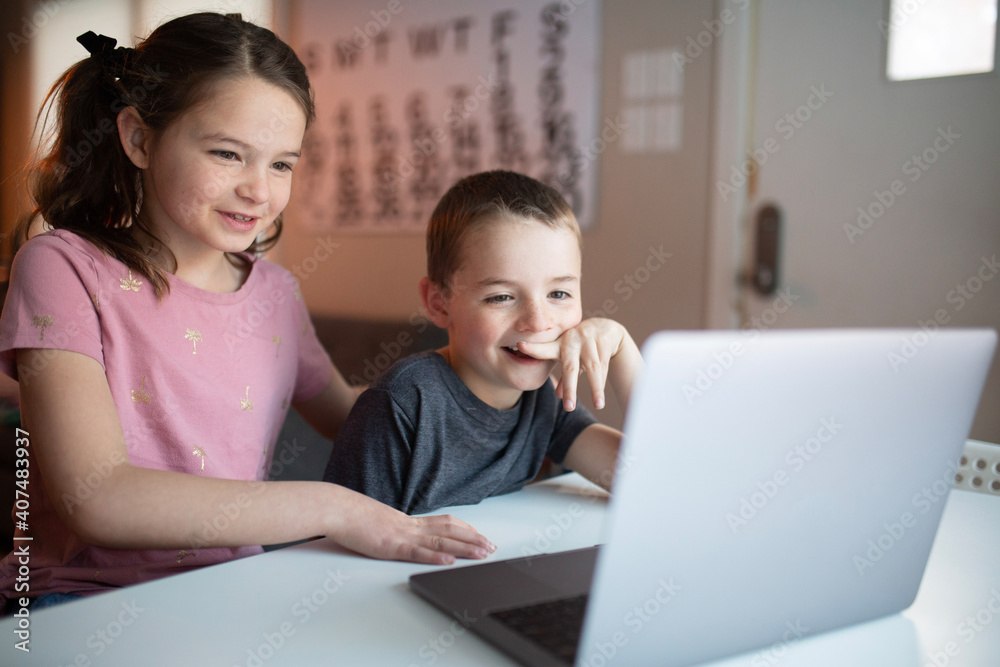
[565,351]
[596,368]
[569,362]
[548,350]
[567,385]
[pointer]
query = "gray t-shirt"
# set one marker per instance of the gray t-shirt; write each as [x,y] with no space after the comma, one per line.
[419,439]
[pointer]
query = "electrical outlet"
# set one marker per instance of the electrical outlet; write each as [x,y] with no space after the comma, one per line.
[979,468]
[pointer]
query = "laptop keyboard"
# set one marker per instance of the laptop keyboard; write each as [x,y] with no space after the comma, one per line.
[554,625]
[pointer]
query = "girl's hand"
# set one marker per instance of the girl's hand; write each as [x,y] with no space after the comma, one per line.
[374,529]
[587,348]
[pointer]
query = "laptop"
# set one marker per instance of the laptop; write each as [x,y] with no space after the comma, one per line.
[777,482]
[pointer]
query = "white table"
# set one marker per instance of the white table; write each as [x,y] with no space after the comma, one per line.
[315,604]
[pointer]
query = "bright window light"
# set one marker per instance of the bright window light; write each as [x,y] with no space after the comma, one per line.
[934,38]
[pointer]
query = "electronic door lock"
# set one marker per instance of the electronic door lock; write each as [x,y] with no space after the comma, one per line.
[764,275]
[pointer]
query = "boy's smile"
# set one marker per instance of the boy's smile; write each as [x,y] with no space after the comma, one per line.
[518,281]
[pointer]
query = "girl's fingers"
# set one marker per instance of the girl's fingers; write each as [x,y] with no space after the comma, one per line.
[445,546]
[379,531]
[418,554]
[435,549]
[448,525]
[444,534]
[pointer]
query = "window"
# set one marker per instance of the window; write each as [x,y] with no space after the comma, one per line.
[936,38]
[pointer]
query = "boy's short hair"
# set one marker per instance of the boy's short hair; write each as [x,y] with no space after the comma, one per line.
[483,197]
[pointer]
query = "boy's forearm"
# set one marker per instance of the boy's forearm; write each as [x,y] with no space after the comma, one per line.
[624,369]
[594,454]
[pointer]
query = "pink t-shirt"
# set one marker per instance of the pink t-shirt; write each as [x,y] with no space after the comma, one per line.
[201,381]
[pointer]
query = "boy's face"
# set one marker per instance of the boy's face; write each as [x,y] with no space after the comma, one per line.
[517,281]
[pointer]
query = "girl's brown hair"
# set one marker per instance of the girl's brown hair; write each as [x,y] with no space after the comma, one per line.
[488,196]
[86,183]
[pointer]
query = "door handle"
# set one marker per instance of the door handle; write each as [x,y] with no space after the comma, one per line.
[767,238]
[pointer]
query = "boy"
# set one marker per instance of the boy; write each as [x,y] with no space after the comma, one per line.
[477,417]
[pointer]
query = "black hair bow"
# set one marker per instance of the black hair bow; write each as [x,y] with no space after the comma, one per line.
[114,61]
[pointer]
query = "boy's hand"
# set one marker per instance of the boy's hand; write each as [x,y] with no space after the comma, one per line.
[589,348]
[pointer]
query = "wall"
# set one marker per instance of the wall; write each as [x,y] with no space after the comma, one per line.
[15,116]
[655,200]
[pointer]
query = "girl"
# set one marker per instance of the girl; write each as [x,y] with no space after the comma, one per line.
[156,355]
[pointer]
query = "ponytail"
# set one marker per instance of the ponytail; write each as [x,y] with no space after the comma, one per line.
[85,183]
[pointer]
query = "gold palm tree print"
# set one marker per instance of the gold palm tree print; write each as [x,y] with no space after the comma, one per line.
[194,336]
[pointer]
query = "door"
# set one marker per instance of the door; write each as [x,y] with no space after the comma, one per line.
[888,193]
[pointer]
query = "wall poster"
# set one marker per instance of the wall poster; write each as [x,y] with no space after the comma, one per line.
[411,95]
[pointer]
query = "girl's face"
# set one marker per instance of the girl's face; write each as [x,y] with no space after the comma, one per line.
[222,172]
